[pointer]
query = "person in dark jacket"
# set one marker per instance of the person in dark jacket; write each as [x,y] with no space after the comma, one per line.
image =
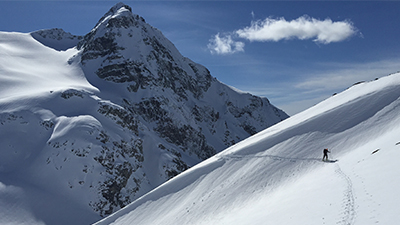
[326,151]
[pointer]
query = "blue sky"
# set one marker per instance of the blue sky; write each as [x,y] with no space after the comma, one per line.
[295,53]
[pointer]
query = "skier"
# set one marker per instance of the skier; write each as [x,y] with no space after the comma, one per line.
[325,154]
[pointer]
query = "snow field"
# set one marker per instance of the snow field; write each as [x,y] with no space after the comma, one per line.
[22,73]
[277,176]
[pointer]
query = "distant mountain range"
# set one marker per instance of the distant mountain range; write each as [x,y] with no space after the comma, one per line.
[89,124]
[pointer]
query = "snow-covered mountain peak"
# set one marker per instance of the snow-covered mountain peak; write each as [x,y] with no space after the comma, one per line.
[120,15]
[123,48]
[118,9]
[112,118]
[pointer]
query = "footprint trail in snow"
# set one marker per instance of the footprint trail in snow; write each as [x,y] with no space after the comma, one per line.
[349,213]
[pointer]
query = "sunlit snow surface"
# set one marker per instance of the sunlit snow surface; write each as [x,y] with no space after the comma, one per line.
[22,73]
[277,176]
[31,76]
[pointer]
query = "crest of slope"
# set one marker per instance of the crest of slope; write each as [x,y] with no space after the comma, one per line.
[277,176]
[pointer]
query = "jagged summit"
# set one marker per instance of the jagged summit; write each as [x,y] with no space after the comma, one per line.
[125,49]
[118,7]
[119,15]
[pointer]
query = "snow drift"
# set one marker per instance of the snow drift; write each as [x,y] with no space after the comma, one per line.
[277,176]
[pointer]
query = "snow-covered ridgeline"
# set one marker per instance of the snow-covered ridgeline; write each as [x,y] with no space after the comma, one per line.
[277,175]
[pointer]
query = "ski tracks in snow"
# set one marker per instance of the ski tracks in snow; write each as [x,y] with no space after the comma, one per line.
[273,157]
[349,212]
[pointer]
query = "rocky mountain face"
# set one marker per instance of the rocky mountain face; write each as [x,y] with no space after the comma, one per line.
[150,114]
[56,38]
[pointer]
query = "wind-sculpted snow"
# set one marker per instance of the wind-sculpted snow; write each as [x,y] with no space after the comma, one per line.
[89,124]
[278,177]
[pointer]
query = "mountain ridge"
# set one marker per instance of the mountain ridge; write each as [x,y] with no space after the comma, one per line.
[110,119]
[280,172]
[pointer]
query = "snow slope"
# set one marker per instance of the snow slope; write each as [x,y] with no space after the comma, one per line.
[277,176]
[22,69]
[32,76]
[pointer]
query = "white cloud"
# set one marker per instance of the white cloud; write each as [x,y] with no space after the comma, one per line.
[224,45]
[323,31]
